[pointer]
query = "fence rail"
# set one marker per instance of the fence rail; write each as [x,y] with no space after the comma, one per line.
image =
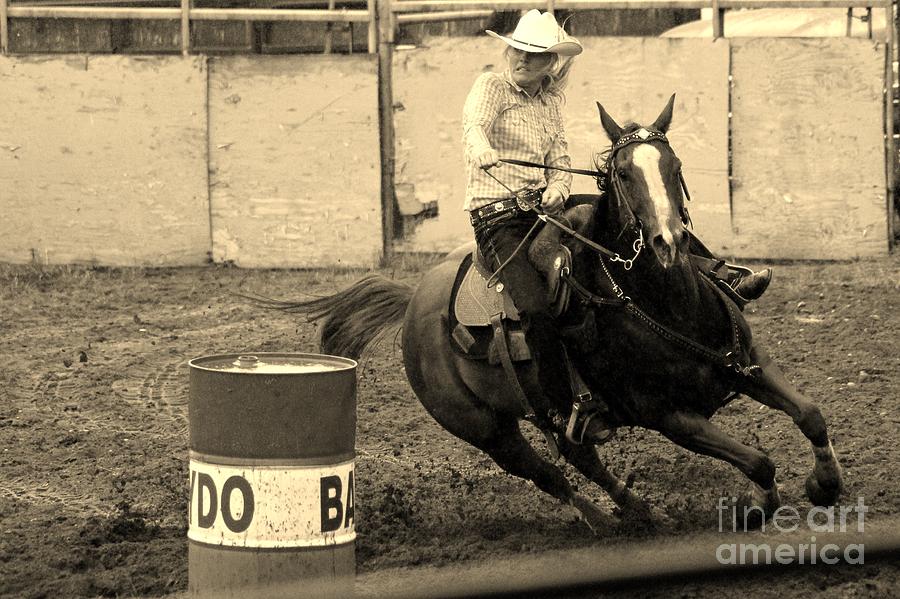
[436,5]
[409,11]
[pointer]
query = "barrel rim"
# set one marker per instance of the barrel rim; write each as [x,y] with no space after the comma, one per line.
[346,363]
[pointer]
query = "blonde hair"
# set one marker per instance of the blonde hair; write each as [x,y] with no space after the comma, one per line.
[557,78]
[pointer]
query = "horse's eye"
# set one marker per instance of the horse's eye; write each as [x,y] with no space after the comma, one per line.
[622,172]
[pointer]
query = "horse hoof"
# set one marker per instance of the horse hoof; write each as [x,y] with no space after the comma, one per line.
[822,494]
[596,519]
[640,515]
[749,515]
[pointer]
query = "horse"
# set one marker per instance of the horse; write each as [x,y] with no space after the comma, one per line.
[672,350]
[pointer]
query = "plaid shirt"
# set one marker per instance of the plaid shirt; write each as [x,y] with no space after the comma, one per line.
[499,114]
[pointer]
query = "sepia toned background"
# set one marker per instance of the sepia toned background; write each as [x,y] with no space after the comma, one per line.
[148,178]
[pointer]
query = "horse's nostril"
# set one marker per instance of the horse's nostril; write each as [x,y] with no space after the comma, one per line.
[658,242]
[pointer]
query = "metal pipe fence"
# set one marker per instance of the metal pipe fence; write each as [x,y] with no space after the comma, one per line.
[400,11]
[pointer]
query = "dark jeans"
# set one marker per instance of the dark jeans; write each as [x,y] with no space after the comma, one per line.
[497,242]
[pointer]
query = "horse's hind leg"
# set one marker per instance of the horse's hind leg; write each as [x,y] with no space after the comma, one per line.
[824,484]
[696,433]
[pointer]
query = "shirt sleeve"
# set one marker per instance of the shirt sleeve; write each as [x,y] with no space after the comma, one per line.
[558,155]
[481,108]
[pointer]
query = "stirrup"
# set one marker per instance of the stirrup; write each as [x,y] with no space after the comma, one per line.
[583,411]
[743,270]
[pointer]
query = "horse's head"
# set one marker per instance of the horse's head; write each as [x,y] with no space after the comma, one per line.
[645,182]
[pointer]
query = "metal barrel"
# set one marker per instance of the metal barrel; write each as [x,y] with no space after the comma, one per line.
[272,448]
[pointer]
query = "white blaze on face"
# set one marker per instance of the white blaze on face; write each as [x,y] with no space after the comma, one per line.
[646,158]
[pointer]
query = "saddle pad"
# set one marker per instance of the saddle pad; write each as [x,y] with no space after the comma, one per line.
[475,303]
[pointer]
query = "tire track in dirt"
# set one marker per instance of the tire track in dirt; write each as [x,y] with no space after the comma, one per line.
[164,388]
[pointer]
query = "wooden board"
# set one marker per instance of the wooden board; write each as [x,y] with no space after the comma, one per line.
[104,161]
[633,77]
[294,161]
[809,166]
[60,35]
[430,87]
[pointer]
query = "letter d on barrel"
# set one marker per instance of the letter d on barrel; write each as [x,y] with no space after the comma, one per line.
[272,440]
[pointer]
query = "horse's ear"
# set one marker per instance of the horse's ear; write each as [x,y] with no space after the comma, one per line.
[613,131]
[665,117]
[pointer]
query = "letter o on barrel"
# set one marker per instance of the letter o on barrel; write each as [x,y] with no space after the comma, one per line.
[272,448]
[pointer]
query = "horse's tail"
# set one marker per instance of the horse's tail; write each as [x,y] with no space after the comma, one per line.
[352,318]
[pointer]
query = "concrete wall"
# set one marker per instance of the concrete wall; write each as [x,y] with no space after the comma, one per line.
[806,132]
[264,161]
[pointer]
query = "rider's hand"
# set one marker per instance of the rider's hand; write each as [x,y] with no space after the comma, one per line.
[552,201]
[487,159]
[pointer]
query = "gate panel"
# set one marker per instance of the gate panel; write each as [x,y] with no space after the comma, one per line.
[103,160]
[294,161]
[809,164]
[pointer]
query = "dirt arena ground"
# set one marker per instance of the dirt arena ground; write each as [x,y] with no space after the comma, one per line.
[93,430]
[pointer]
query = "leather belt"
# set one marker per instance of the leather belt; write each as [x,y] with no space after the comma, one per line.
[492,210]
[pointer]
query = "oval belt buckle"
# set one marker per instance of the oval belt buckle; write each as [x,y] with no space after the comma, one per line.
[527,199]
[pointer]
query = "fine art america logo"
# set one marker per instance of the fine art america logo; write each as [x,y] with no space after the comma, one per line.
[787,519]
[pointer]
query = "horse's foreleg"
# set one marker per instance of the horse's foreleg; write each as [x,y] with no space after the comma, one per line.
[696,433]
[824,484]
[588,462]
[512,452]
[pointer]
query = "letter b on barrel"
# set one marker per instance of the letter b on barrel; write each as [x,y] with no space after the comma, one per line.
[335,511]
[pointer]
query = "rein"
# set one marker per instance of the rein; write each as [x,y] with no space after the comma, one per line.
[730,359]
[637,246]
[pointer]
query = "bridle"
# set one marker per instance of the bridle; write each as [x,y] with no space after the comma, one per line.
[642,135]
[735,359]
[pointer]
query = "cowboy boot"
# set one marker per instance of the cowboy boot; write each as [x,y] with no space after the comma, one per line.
[746,283]
[752,286]
[557,379]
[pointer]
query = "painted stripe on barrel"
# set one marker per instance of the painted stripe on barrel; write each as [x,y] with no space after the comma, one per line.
[271,506]
[273,416]
[284,462]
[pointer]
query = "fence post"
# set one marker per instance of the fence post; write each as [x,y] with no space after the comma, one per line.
[718,20]
[386,124]
[329,32]
[4,28]
[373,26]
[551,6]
[185,27]
[890,146]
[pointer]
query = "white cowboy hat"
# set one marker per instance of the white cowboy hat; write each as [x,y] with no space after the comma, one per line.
[539,32]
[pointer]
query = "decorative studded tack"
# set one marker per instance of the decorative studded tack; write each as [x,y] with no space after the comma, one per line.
[640,136]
